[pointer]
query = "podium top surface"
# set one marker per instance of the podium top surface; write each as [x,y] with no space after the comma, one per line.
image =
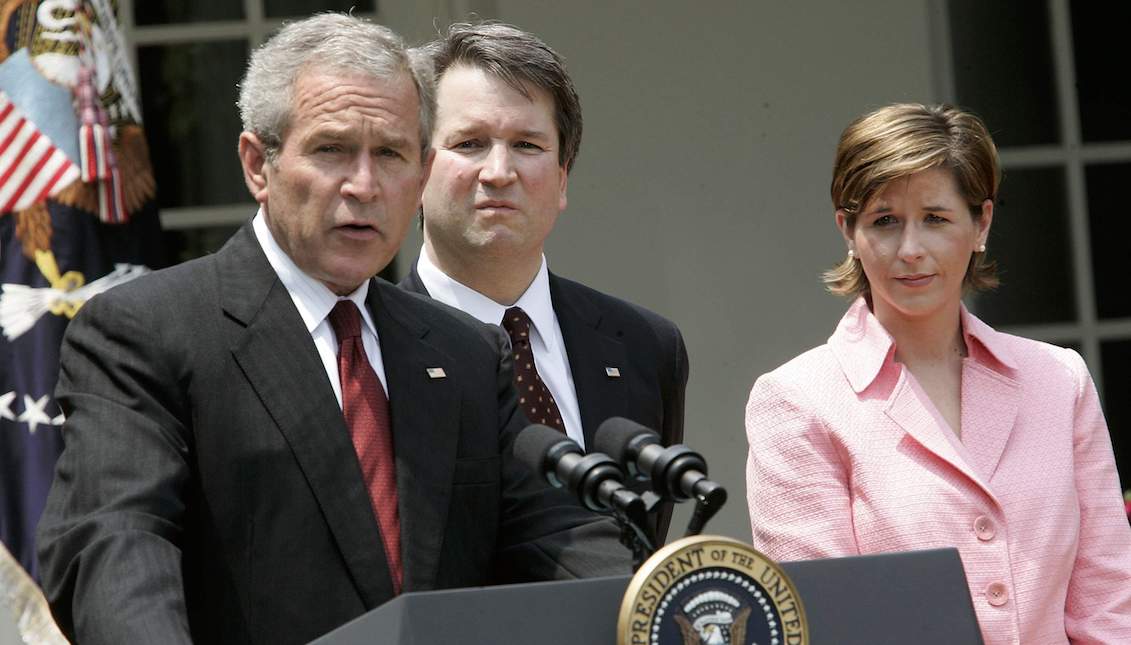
[916,597]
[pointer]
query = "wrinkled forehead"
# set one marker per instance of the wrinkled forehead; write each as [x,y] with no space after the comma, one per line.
[320,95]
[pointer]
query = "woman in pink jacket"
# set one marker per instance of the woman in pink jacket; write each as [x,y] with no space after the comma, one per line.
[918,426]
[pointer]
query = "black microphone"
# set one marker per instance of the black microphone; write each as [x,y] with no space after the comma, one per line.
[677,472]
[594,478]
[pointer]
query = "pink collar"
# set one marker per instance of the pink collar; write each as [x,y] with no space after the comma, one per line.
[862,346]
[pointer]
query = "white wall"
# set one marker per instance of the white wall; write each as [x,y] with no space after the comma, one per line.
[701,191]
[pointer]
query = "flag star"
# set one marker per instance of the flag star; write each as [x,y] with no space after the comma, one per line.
[6,406]
[34,413]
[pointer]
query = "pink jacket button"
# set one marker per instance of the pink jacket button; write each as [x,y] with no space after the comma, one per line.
[984,528]
[997,594]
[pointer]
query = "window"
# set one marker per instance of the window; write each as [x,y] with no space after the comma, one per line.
[1038,73]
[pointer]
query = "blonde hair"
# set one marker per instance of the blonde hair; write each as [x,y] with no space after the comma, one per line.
[897,141]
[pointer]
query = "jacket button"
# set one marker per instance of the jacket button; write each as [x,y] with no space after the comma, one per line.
[997,594]
[984,528]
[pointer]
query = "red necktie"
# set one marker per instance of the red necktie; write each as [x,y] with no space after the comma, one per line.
[534,397]
[366,410]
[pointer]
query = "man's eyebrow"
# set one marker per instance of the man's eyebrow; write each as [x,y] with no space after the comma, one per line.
[334,132]
[535,134]
[473,129]
[394,141]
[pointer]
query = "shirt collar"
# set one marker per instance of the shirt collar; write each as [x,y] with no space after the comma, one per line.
[535,301]
[313,299]
[862,346]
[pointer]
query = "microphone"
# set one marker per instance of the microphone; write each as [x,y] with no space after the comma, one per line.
[594,478]
[677,472]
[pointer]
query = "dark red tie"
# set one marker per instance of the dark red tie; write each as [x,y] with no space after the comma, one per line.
[534,397]
[366,409]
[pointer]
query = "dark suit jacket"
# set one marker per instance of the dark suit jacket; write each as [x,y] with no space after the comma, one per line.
[602,331]
[209,486]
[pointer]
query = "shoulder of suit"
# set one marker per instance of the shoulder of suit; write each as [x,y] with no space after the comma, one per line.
[1035,358]
[435,313]
[173,283]
[618,308]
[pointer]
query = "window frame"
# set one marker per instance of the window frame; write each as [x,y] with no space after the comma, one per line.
[254,28]
[1071,156]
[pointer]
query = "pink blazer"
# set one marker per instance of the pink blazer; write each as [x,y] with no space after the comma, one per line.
[848,456]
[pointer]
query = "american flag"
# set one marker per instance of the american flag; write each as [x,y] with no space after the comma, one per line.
[77,216]
[32,168]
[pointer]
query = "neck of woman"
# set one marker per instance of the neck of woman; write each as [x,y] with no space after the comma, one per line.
[931,338]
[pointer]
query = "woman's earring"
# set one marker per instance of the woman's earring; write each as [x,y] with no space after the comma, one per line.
[981,248]
[851,254]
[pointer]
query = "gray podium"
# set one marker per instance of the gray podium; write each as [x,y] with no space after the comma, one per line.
[918,597]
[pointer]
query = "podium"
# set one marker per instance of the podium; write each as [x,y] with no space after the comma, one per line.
[918,597]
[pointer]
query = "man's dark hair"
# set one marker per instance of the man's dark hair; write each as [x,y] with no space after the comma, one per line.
[520,59]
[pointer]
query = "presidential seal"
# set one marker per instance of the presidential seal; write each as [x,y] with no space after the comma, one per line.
[710,590]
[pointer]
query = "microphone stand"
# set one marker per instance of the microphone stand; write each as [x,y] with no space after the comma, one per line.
[631,513]
[708,501]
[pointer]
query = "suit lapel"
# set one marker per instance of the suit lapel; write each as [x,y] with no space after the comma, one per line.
[913,415]
[989,409]
[425,416]
[592,349]
[279,360]
[412,281]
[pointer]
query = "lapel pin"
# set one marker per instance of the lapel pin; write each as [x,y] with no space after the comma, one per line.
[612,372]
[436,372]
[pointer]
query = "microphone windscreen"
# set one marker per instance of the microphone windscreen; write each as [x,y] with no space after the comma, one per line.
[534,441]
[616,434]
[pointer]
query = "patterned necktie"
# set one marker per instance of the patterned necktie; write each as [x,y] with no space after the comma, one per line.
[534,397]
[366,410]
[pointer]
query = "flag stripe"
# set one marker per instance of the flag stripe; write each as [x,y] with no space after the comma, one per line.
[16,173]
[28,178]
[12,141]
[25,196]
[49,180]
[16,163]
[8,121]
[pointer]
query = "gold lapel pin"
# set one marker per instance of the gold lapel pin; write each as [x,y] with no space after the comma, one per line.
[612,372]
[436,372]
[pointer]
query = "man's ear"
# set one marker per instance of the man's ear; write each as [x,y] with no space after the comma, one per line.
[253,159]
[562,200]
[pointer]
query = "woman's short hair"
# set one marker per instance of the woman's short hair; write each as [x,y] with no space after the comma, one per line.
[897,141]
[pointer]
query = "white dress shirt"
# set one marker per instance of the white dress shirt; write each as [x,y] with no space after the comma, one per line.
[314,301]
[546,340]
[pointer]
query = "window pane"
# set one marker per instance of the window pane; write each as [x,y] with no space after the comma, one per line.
[999,44]
[1117,405]
[189,102]
[1110,230]
[186,244]
[292,8]
[1030,242]
[1099,41]
[163,12]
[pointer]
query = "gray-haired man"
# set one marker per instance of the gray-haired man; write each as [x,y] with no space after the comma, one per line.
[265,443]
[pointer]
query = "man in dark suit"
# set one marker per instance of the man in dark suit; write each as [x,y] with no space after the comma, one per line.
[507,131]
[233,470]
